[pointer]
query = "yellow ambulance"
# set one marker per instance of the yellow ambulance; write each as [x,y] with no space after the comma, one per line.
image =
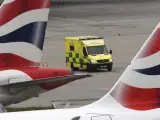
[87,52]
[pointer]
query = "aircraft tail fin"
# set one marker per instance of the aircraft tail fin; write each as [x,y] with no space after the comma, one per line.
[138,88]
[22,31]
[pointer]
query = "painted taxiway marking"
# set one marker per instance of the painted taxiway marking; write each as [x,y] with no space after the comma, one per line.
[77,20]
[100,22]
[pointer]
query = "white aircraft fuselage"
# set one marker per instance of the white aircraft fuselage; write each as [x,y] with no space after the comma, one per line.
[83,114]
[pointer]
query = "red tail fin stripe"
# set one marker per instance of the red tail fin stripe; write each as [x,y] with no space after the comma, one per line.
[12,60]
[21,20]
[136,98]
[17,7]
[152,46]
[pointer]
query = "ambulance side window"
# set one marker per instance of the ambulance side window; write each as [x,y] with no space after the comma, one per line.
[71,48]
[84,51]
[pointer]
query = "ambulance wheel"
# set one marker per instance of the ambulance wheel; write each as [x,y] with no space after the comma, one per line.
[74,68]
[89,69]
[109,67]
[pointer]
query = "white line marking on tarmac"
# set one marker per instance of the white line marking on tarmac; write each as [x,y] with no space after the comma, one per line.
[127,20]
[77,20]
[99,22]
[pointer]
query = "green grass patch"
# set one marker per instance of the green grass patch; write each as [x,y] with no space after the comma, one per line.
[11,109]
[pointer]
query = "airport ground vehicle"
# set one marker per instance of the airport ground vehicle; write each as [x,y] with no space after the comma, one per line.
[87,52]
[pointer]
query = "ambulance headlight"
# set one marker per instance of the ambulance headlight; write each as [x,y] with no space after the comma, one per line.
[93,61]
[110,60]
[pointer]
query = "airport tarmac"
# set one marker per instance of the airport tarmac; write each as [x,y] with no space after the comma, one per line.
[124,26]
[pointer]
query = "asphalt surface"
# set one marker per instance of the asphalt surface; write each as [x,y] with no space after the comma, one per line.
[125,27]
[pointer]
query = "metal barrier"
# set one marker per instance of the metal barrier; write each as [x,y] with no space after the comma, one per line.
[71,103]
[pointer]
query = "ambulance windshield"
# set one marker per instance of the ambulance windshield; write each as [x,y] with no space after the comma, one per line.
[93,50]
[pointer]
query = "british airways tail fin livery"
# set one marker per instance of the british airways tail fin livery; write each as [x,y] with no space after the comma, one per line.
[135,96]
[22,32]
[138,87]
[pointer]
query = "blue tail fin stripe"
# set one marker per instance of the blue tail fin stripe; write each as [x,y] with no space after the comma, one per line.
[149,71]
[33,33]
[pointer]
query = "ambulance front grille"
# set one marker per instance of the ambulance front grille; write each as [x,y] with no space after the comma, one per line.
[103,61]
